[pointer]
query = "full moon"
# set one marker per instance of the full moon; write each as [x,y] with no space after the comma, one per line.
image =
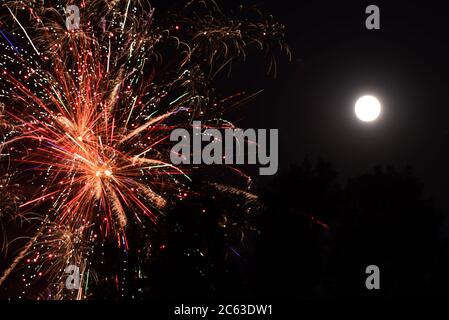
[368,108]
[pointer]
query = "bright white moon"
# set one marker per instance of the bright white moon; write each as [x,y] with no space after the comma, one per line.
[368,108]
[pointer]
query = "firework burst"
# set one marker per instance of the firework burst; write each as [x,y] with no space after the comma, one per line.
[86,114]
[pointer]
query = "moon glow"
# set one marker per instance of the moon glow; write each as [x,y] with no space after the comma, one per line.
[368,108]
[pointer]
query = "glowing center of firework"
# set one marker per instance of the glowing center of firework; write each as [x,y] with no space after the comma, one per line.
[107,173]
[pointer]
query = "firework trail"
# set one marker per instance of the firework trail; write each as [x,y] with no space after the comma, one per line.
[86,115]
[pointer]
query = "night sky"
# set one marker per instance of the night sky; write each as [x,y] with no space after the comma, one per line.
[336,60]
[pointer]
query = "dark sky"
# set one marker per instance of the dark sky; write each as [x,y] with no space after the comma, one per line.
[336,60]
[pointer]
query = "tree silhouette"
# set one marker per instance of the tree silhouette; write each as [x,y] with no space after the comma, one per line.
[291,252]
[318,236]
[386,222]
